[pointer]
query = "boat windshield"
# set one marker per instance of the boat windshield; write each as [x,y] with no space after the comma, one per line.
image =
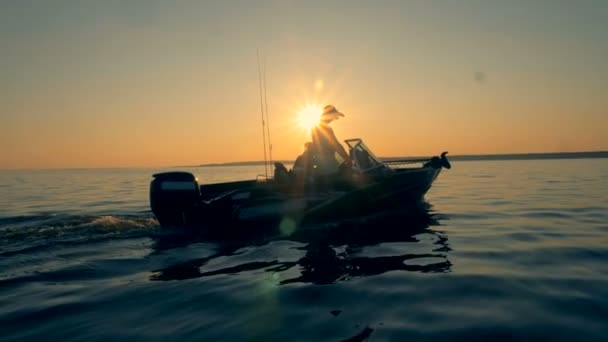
[362,156]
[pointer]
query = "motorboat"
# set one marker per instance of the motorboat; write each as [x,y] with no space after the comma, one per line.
[292,198]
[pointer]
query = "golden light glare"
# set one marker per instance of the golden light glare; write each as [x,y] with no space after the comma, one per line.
[319,84]
[308,117]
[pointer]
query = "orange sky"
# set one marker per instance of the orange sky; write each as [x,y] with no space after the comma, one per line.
[144,83]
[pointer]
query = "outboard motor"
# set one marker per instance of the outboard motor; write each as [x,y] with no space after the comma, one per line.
[173,195]
[438,163]
[444,161]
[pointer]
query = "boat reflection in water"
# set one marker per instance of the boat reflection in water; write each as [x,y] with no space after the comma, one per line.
[393,241]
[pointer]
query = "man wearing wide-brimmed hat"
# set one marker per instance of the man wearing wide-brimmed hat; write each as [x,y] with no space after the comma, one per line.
[326,145]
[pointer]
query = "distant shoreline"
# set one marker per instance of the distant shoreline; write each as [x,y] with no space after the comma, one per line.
[472,157]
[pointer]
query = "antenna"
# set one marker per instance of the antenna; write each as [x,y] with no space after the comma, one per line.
[262,112]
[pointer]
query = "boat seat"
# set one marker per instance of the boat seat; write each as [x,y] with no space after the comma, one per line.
[281,174]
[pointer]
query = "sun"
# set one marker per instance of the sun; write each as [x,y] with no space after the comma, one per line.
[308,116]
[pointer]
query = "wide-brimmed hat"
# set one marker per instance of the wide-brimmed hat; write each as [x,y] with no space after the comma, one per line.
[330,110]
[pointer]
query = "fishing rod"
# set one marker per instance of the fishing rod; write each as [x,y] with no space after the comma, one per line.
[267,119]
[262,112]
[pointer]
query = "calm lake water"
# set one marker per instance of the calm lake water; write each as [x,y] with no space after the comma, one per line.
[509,250]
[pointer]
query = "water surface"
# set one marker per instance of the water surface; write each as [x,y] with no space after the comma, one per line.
[507,250]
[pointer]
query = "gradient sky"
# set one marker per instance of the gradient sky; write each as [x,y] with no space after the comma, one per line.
[157,83]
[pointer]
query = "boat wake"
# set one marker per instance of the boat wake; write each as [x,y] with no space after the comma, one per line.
[42,245]
[24,234]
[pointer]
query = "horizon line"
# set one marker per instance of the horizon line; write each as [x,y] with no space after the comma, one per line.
[458,157]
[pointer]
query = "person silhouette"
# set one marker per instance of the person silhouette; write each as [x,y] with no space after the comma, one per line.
[325,145]
[304,161]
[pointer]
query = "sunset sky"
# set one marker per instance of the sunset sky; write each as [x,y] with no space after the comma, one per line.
[156,83]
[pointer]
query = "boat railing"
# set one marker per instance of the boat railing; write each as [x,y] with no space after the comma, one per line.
[402,163]
[262,178]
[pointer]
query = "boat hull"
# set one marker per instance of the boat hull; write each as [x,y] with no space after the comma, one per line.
[250,207]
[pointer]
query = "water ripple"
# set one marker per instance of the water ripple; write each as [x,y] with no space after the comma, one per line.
[507,251]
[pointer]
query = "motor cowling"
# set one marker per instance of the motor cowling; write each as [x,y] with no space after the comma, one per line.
[439,162]
[173,195]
